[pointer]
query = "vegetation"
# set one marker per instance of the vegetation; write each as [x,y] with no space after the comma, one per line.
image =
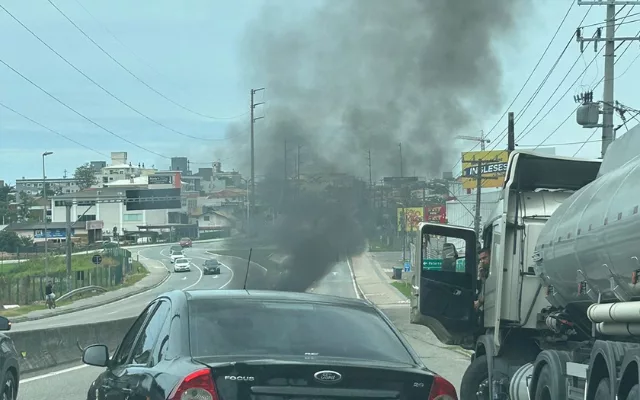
[403,287]
[85,176]
[10,241]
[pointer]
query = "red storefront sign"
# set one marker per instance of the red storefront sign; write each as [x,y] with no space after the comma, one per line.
[436,214]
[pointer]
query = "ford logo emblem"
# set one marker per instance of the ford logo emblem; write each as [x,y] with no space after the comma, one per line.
[327,376]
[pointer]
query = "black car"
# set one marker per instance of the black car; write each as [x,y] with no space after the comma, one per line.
[211,266]
[9,368]
[243,345]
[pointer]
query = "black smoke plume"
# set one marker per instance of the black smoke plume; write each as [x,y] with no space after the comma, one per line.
[344,77]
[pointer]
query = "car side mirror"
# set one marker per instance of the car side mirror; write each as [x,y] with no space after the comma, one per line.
[5,324]
[96,355]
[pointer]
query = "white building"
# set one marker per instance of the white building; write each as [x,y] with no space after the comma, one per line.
[33,186]
[88,207]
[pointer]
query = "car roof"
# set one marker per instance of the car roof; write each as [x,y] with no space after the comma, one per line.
[206,294]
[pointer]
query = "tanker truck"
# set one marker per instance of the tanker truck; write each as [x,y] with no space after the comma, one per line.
[560,317]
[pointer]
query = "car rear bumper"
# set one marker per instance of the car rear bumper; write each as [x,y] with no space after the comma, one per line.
[181,269]
[211,271]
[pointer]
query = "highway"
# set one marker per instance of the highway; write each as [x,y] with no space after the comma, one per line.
[71,381]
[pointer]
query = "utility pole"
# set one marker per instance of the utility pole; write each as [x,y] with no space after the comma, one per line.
[370,177]
[476,226]
[252,197]
[511,140]
[285,160]
[298,163]
[44,220]
[68,242]
[609,60]
[401,169]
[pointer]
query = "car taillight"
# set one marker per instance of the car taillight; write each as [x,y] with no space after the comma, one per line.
[442,389]
[195,386]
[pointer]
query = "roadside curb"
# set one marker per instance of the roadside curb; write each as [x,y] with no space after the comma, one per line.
[88,306]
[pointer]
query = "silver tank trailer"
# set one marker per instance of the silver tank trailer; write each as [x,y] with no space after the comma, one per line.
[594,236]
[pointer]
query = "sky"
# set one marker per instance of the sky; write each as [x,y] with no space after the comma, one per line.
[187,82]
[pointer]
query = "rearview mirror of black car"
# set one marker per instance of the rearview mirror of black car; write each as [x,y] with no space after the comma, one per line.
[96,355]
[5,324]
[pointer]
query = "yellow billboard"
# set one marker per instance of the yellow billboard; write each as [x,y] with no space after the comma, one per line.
[410,217]
[493,164]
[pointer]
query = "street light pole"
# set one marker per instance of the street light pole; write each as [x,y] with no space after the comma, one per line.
[46,239]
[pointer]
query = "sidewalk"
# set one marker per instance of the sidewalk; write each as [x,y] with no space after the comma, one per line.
[157,275]
[374,284]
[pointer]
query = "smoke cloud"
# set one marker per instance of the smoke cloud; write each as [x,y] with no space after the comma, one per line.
[348,76]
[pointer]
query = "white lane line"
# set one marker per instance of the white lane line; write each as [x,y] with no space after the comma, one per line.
[50,374]
[353,279]
[199,278]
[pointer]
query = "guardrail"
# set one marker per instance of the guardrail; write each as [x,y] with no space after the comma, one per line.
[82,290]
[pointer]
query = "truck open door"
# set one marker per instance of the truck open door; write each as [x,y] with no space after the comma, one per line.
[447,280]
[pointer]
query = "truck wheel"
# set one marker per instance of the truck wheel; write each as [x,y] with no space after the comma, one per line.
[475,381]
[634,393]
[603,391]
[544,388]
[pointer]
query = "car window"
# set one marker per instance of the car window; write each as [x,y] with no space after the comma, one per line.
[142,351]
[123,351]
[264,328]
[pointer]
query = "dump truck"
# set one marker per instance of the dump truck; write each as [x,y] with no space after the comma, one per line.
[560,317]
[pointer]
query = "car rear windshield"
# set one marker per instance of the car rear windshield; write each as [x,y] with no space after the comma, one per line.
[272,328]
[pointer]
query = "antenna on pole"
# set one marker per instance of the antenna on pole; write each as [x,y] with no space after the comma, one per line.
[246,276]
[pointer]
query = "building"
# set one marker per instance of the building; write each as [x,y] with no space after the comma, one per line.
[180,164]
[33,186]
[56,231]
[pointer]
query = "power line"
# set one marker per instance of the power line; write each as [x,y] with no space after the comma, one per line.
[100,86]
[535,68]
[529,78]
[51,130]
[136,76]
[82,115]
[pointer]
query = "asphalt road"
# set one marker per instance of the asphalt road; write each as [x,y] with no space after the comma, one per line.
[71,381]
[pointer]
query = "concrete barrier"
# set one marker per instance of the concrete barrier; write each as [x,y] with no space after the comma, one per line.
[46,348]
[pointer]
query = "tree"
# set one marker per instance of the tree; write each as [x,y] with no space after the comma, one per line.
[85,176]
[9,241]
[7,215]
[24,207]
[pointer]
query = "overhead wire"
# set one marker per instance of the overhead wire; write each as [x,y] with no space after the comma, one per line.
[136,76]
[51,130]
[82,115]
[124,103]
[531,75]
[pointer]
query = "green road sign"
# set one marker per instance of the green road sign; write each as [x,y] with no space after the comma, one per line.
[435,264]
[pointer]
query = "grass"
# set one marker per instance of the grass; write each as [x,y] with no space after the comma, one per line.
[403,287]
[139,272]
[80,262]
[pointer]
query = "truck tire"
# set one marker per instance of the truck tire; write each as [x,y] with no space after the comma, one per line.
[544,388]
[603,391]
[476,375]
[634,393]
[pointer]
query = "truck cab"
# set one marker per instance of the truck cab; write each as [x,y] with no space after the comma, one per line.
[509,319]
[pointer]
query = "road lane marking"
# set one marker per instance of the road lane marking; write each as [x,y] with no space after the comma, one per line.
[199,278]
[353,279]
[54,373]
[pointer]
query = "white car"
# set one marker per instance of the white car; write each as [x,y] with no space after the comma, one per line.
[181,264]
[175,255]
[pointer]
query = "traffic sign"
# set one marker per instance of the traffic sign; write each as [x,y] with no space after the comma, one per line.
[96,259]
[407,266]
